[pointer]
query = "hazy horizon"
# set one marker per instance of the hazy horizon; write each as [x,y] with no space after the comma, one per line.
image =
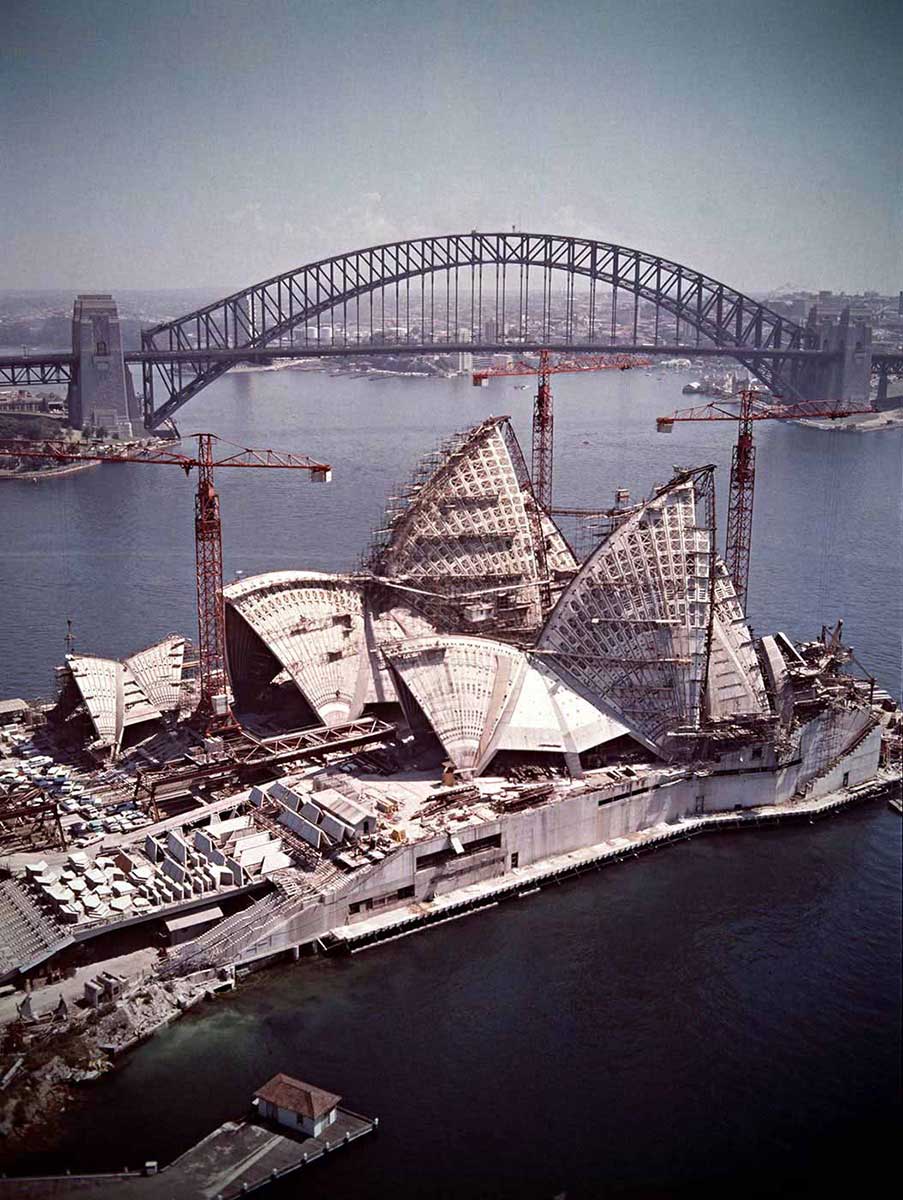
[169,147]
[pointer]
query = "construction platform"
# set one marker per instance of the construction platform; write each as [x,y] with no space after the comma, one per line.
[237,1159]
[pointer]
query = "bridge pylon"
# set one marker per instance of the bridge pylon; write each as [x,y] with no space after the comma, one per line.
[844,374]
[101,394]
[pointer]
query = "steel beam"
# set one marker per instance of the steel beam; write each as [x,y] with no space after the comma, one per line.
[717,314]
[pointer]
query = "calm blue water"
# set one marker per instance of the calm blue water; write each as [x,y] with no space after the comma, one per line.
[723,1017]
[112,547]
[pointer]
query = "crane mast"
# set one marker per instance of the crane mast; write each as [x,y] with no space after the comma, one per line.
[543,416]
[738,537]
[213,711]
[543,434]
[753,407]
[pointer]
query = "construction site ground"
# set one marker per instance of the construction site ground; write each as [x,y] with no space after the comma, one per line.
[46,997]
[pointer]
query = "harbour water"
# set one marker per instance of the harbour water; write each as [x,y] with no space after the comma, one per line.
[723,1015]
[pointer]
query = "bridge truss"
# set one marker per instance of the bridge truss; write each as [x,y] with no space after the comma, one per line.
[459,292]
[21,370]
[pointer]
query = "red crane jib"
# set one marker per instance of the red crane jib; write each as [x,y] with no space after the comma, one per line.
[543,417]
[562,366]
[213,711]
[753,407]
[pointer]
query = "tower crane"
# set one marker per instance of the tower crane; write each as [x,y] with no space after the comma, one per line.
[753,407]
[213,711]
[543,420]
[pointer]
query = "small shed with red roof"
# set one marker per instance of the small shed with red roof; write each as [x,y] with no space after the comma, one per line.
[296,1105]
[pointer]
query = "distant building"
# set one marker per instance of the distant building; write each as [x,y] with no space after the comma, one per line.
[799,310]
[22,401]
[297,1105]
[465,357]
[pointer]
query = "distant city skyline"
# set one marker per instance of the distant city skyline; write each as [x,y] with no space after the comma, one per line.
[167,147]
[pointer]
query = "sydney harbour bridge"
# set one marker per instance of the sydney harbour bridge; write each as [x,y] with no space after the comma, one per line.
[456,293]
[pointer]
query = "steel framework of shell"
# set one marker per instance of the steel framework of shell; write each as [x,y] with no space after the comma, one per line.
[474,615]
[468,522]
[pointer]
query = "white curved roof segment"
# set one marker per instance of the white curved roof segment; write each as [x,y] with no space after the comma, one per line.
[325,631]
[736,686]
[480,696]
[158,671]
[631,628]
[548,715]
[462,686]
[118,694]
[313,625]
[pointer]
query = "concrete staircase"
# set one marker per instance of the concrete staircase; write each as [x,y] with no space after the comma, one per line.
[224,942]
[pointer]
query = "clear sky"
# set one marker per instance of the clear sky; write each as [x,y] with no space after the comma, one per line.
[216,142]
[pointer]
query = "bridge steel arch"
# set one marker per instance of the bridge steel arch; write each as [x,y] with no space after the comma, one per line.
[285,306]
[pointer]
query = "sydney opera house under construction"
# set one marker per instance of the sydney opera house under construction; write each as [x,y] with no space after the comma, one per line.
[474,616]
[525,714]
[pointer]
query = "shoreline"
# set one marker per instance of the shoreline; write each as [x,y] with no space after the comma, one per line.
[51,473]
[52,1084]
[867,424]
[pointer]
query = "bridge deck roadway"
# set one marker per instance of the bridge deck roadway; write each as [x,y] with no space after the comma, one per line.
[23,370]
[242,354]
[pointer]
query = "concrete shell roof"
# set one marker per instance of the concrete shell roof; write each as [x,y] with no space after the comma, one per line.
[158,671]
[112,696]
[462,686]
[631,628]
[550,715]
[468,531]
[736,686]
[480,696]
[473,522]
[324,632]
[240,588]
[624,650]
[312,623]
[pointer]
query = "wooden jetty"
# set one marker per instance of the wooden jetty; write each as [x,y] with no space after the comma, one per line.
[238,1159]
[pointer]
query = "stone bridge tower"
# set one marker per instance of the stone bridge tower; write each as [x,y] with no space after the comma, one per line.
[102,394]
[846,376]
